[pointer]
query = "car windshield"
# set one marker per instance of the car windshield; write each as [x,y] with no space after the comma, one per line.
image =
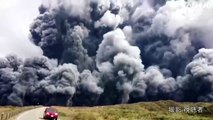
[50,110]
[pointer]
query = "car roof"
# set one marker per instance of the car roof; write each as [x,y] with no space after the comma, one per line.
[50,109]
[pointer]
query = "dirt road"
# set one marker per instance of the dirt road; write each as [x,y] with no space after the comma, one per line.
[35,114]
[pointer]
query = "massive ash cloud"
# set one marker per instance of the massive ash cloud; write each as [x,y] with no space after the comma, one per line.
[103,52]
[38,81]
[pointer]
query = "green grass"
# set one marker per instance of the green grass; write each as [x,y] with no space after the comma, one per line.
[139,111]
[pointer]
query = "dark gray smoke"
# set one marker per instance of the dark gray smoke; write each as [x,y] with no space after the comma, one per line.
[38,81]
[103,52]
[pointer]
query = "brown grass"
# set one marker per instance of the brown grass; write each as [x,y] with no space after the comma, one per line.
[139,111]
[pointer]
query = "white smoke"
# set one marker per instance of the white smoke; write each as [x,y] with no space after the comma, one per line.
[186,15]
[109,19]
[80,8]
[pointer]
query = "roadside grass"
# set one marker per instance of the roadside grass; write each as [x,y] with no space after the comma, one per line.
[138,111]
[5,109]
[10,112]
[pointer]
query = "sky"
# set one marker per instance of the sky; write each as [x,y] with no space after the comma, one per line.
[15,19]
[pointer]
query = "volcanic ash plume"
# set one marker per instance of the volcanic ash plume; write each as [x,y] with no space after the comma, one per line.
[104,52]
[198,79]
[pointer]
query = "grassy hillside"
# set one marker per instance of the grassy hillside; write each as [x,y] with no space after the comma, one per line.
[139,111]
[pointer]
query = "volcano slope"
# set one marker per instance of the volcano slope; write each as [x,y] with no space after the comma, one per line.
[160,110]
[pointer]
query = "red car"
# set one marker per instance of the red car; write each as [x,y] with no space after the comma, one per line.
[50,113]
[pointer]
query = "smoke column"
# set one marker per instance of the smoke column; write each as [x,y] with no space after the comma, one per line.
[104,52]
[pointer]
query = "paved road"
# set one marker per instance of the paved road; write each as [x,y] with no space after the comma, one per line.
[35,114]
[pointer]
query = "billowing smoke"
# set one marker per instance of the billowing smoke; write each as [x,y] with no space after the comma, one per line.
[198,79]
[39,81]
[103,52]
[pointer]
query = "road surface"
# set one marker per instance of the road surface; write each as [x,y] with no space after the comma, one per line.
[35,114]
